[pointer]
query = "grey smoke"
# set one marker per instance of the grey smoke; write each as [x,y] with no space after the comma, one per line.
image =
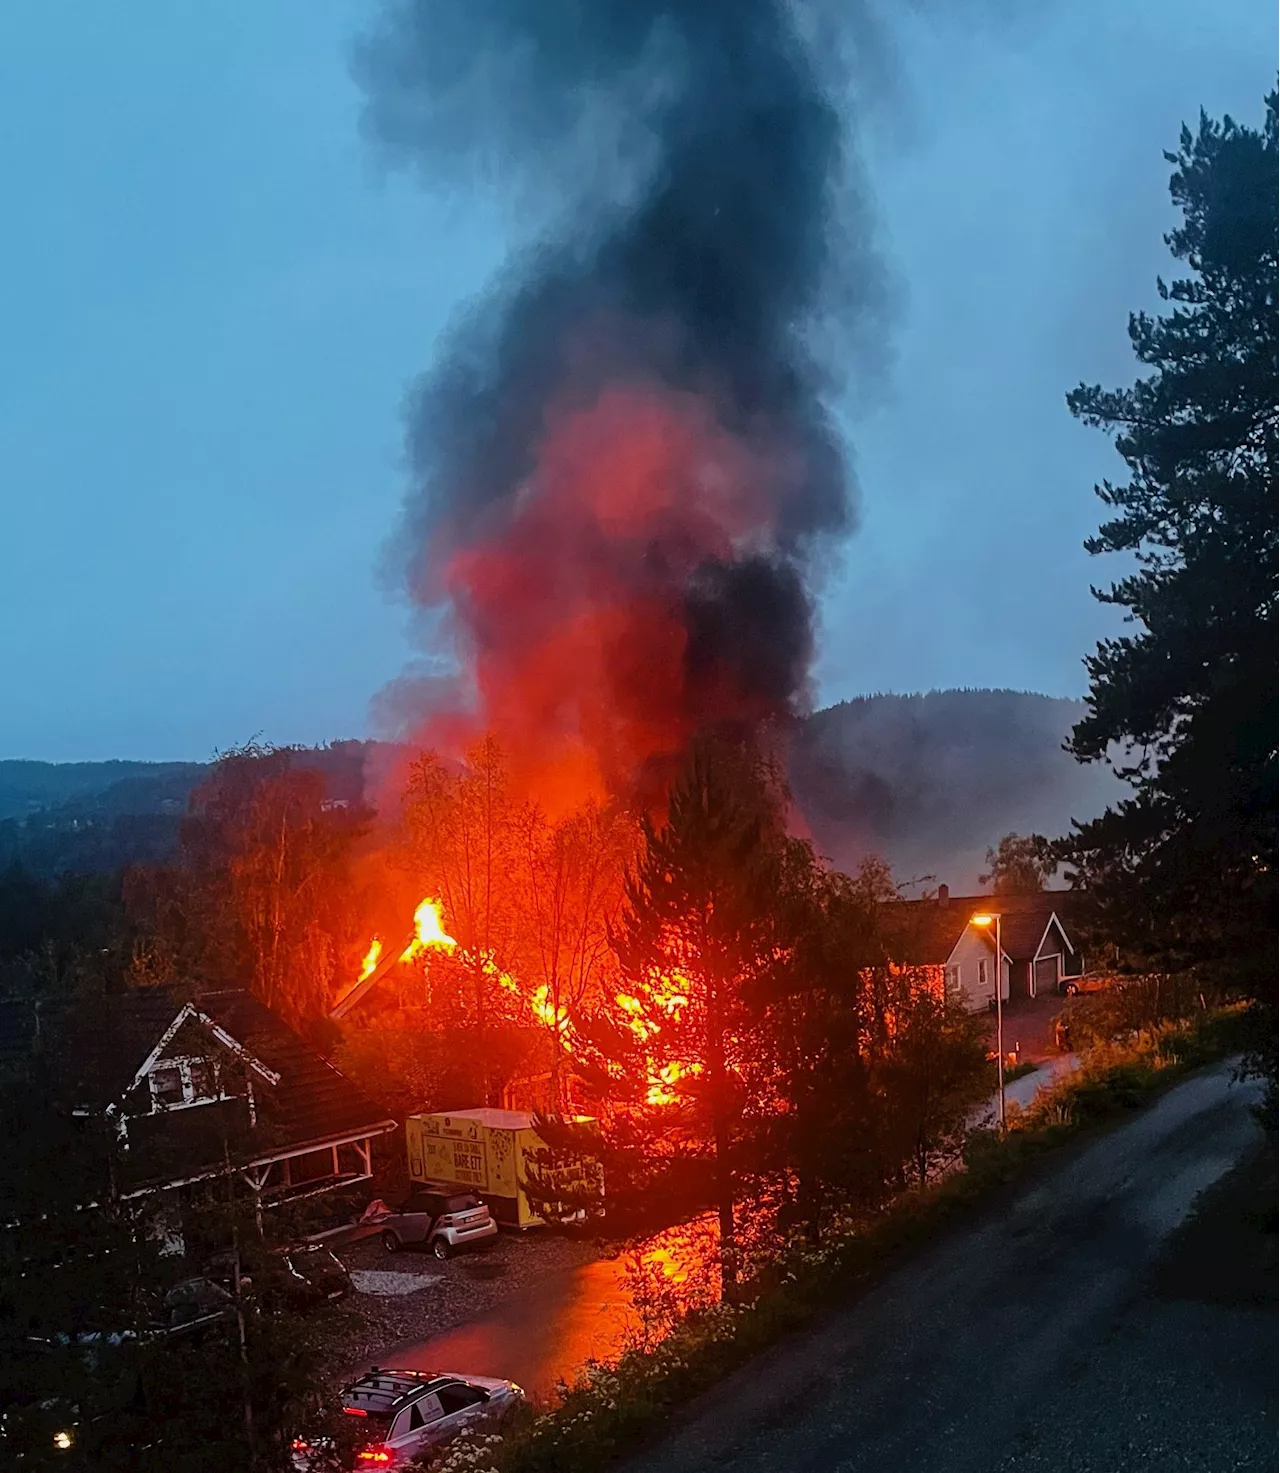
[709,227]
[930,781]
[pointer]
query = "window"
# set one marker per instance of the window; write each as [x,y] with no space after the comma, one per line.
[178,1082]
[204,1079]
[952,979]
[982,973]
[166,1085]
[457,1398]
[426,1409]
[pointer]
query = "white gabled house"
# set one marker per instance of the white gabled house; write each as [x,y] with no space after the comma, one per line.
[1037,954]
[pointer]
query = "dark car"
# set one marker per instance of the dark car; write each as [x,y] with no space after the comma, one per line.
[196,1306]
[444,1219]
[300,1277]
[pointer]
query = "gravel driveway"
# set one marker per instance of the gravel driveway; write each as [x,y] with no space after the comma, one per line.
[411,1296]
[1038,1338]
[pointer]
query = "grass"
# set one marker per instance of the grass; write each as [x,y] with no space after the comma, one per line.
[613,1409]
[1225,1253]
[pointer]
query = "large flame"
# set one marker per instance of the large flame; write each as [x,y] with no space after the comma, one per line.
[663,1081]
[428,932]
[666,993]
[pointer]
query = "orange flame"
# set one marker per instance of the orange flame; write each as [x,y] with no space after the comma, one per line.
[371,959]
[666,993]
[663,1082]
[429,932]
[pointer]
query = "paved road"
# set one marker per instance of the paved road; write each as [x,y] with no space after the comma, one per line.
[1033,1339]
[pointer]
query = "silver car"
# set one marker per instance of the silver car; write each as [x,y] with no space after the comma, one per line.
[443,1219]
[407,1413]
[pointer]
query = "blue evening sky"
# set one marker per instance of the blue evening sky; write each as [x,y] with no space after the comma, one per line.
[212,301]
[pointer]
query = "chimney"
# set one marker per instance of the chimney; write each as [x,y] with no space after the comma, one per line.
[944,896]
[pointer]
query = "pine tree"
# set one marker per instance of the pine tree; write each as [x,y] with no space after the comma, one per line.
[695,928]
[1183,872]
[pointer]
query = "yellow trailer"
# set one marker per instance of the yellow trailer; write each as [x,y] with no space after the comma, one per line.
[488,1151]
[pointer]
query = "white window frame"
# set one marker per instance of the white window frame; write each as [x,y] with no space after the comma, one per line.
[189,1097]
[983,979]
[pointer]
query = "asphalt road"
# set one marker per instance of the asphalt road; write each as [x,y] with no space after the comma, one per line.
[1037,1338]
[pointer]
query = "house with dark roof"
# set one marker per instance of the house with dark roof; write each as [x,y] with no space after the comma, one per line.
[198,1089]
[1037,953]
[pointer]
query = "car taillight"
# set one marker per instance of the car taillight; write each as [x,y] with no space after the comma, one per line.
[355,1411]
[375,1457]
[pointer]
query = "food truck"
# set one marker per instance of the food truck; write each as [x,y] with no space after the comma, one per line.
[495,1153]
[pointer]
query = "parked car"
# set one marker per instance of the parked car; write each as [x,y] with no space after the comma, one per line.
[300,1277]
[407,1413]
[1090,982]
[194,1307]
[441,1218]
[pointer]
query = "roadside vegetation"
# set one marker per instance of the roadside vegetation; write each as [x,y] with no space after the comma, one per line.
[682,1350]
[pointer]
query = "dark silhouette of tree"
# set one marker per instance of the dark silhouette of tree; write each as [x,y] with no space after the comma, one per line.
[1182,874]
[695,928]
[1020,864]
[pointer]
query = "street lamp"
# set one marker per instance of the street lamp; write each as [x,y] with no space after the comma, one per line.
[992,919]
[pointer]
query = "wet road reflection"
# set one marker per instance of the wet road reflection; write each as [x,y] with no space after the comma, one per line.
[542,1336]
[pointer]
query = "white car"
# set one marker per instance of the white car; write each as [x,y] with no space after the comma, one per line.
[444,1219]
[409,1412]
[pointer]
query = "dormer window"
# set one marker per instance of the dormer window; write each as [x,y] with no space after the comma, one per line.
[178,1082]
[166,1085]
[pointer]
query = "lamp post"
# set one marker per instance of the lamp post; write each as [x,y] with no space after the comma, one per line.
[992,920]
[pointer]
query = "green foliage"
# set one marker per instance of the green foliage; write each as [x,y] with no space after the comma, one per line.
[1183,874]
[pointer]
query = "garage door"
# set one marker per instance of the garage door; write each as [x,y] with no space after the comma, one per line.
[1048,969]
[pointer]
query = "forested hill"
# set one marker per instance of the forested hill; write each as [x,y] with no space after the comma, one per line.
[926,781]
[84,817]
[929,781]
[139,787]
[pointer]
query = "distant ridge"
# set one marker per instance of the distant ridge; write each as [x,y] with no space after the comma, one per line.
[927,781]
[28,787]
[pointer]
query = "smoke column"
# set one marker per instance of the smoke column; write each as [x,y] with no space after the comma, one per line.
[623,476]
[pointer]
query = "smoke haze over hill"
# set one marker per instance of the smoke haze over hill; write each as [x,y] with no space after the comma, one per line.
[929,781]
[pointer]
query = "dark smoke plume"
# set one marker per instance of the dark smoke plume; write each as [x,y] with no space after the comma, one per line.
[624,478]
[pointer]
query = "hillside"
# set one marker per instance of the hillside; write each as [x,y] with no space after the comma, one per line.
[929,781]
[35,787]
[86,817]
[926,781]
